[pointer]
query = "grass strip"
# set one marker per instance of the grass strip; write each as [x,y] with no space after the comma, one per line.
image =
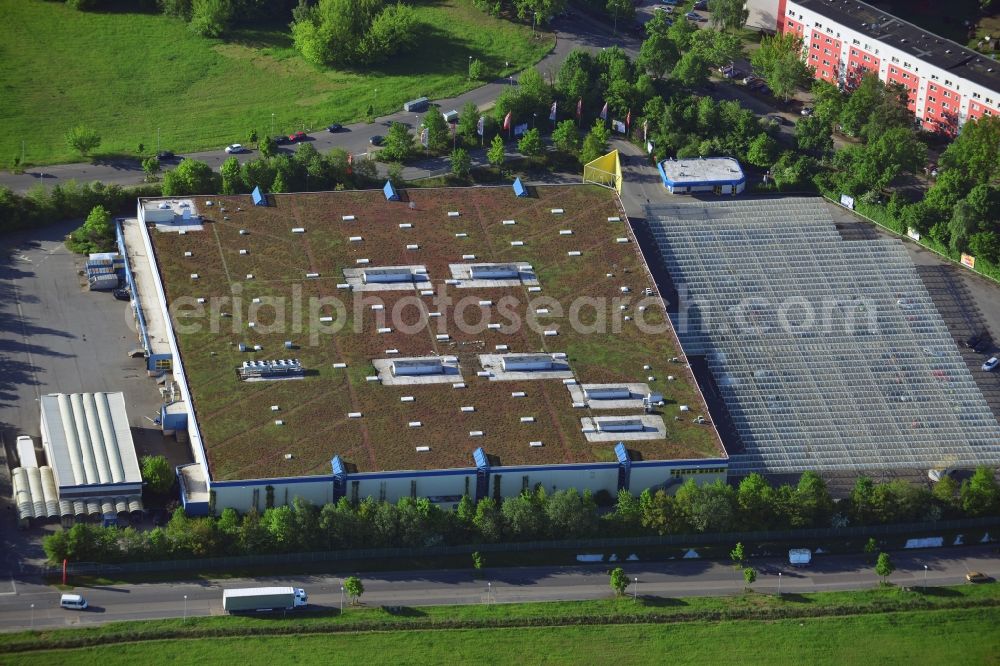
[944,636]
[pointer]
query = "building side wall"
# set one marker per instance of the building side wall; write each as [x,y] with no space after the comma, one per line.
[447,486]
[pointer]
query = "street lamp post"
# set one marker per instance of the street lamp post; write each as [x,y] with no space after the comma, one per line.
[779,583]
[925,578]
[32,617]
[489,592]
[534,19]
[272,124]
[635,590]
[341,599]
[157,139]
[185,607]
[470,67]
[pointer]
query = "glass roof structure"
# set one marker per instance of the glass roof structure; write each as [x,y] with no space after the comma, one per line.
[829,354]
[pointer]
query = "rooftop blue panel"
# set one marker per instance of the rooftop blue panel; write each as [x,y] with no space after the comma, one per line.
[390,191]
[258,197]
[338,466]
[622,454]
[519,188]
[480,457]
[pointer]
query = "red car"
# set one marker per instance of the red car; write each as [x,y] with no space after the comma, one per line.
[298,136]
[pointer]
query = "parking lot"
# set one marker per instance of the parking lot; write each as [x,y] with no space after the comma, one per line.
[56,336]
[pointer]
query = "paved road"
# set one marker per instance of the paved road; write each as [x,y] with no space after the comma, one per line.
[571,32]
[429,588]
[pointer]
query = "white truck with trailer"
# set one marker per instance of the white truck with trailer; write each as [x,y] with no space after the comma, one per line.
[259,599]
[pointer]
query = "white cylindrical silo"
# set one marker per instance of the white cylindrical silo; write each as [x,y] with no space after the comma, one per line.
[35,485]
[22,493]
[49,492]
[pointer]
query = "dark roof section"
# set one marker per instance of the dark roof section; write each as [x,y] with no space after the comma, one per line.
[912,39]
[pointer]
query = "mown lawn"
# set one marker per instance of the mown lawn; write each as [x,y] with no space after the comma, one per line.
[968,636]
[130,75]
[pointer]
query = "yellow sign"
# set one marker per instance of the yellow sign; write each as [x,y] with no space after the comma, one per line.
[968,260]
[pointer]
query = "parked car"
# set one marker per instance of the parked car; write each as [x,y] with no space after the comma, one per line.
[335,127]
[235,148]
[701,5]
[297,136]
[122,294]
[750,78]
[693,16]
[165,155]
[376,140]
[977,577]
[779,119]
[806,111]
[991,364]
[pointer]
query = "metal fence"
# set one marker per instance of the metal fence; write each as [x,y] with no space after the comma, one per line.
[801,537]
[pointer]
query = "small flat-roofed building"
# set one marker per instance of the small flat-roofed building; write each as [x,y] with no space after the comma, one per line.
[384,275]
[720,175]
[494,271]
[525,362]
[411,367]
[88,443]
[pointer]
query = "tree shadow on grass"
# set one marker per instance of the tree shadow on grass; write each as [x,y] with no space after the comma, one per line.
[662,602]
[936,591]
[796,598]
[260,38]
[403,611]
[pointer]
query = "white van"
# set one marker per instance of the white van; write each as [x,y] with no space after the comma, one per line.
[73,602]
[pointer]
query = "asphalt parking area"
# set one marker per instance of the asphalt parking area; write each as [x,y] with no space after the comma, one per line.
[57,336]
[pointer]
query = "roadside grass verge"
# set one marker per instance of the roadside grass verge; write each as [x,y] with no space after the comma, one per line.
[947,636]
[132,75]
[981,601]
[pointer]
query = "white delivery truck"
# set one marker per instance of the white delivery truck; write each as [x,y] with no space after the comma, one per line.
[249,599]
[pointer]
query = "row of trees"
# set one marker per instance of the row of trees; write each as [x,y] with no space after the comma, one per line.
[40,206]
[533,515]
[210,18]
[961,209]
[305,169]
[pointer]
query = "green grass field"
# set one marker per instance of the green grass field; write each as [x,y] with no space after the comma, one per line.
[129,75]
[931,637]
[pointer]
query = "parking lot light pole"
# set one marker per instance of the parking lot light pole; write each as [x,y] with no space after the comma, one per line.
[635,590]
[341,599]
[32,617]
[185,608]
[779,583]
[925,578]
[272,124]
